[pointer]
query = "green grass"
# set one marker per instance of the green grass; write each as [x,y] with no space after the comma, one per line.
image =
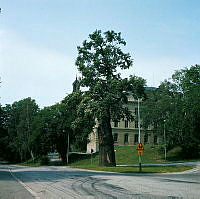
[127,155]
[44,160]
[30,164]
[145,169]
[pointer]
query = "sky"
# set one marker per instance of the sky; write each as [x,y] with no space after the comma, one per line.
[39,39]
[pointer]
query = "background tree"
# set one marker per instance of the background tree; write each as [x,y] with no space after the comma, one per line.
[98,61]
[3,135]
[186,83]
[50,129]
[44,125]
[55,123]
[178,103]
[80,122]
[18,119]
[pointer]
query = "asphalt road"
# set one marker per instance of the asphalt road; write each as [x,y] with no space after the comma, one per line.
[10,188]
[61,182]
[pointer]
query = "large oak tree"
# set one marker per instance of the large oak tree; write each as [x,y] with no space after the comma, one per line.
[99,61]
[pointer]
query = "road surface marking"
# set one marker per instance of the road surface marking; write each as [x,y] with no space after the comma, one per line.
[25,186]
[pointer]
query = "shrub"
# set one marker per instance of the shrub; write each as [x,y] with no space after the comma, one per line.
[44,160]
[175,153]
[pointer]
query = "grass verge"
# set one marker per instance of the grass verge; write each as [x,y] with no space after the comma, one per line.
[30,164]
[145,169]
[127,155]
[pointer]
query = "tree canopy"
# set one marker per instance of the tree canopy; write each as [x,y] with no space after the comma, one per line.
[177,104]
[29,132]
[99,61]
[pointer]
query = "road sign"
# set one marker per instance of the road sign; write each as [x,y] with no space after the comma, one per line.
[140,149]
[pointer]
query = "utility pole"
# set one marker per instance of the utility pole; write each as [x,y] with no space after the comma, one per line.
[68,148]
[28,131]
[165,141]
[139,119]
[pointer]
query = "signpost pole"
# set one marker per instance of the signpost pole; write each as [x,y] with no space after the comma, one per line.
[139,139]
[140,150]
[91,155]
[140,162]
[68,148]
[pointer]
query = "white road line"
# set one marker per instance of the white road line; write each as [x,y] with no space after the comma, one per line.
[25,186]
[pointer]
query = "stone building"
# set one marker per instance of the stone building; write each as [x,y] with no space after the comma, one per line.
[126,132]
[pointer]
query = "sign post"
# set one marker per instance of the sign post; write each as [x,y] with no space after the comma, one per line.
[140,150]
[91,155]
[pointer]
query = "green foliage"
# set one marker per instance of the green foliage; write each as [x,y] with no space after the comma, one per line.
[79,120]
[17,122]
[27,132]
[177,104]
[44,160]
[3,135]
[175,153]
[99,61]
[54,124]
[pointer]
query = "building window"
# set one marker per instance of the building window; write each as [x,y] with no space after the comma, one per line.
[136,124]
[126,138]
[115,137]
[155,140]
[136,138]
[116,124]
[136,111]
[126,123]
[146,138]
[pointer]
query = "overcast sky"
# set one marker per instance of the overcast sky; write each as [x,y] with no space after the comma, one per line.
[39,39]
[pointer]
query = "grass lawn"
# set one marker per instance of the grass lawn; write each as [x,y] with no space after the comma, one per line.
[30,164]
[127,155]
[145,169]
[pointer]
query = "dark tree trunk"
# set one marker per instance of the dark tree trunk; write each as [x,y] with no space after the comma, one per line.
[106,143]
[61,147]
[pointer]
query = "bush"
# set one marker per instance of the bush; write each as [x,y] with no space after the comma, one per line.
[175,153]
[44,160]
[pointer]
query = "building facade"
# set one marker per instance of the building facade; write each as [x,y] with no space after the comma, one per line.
[127,132]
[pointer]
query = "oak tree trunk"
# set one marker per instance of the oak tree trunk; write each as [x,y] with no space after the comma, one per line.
[106,143]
